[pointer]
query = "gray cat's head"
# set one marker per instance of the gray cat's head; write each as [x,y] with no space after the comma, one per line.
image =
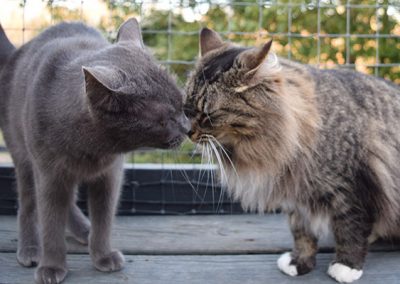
[132,98]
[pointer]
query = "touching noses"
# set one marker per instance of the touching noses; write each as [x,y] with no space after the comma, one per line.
[186,125]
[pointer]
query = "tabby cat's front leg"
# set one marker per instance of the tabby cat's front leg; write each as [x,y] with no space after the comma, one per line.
[351,229]
[302,259]
[103,197]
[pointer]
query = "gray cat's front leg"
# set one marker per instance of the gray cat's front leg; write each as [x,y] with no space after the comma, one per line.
[54,196]
[103,196]
[78,224]
[302,259]
[28,253]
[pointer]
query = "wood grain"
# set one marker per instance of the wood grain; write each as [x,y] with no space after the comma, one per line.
[233,234]
[197,249]
[381,267]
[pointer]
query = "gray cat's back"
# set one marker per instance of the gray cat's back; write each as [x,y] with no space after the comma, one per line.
[38,63]
[37,73]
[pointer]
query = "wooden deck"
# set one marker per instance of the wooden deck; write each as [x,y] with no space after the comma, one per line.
[197,249]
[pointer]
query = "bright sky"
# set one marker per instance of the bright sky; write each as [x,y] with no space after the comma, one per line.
[11,14]
[36,15]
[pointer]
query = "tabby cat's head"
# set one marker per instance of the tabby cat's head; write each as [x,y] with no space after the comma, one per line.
[235,98]
[131,98]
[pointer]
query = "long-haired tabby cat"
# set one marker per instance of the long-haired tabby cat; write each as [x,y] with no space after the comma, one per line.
[71,104]
[323,145]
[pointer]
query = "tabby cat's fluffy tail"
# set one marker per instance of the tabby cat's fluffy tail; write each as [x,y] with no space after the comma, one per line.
[6,47]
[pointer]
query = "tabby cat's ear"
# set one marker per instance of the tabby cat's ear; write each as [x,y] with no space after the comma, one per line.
[130,31]
[253,58]
[100,94]
[209,40]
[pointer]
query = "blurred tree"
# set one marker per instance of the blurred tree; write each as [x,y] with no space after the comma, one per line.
[293,24]
[172,34]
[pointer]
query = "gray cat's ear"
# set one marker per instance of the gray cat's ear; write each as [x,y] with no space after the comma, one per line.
[130,31]
[253,58]
[100,94]
[209,40]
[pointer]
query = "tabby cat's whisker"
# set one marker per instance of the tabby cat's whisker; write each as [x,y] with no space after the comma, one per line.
[224,177]
[211,173]
[225,153]
[201,173]
[206,154]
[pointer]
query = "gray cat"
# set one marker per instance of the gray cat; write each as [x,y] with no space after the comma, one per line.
[322,145]
[71,104]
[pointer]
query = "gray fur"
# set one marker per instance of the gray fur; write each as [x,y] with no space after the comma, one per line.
[70,105]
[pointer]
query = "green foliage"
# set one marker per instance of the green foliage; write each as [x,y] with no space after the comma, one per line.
[293,24]
[186,154]
[171,37]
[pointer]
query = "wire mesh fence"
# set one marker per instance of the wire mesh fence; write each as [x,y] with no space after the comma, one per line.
[358,34]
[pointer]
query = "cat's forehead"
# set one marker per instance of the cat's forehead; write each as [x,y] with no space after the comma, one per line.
[132,57]
[212,66]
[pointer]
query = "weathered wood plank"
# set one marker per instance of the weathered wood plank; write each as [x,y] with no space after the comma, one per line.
[232,269]
[235,234]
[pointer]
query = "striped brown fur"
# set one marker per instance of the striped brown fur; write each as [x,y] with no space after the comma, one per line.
[322,145]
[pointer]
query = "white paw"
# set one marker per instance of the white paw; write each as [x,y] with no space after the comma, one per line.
[285,266]
[343,273]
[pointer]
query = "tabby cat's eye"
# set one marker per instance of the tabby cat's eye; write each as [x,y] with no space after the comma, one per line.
[206,121]
[189,112]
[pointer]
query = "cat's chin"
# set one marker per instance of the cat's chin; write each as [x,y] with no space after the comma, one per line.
[173,143]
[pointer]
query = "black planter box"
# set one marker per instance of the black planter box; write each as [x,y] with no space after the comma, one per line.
[149,189]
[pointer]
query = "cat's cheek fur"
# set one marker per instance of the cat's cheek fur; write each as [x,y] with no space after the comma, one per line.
[284,264]
[343,274]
